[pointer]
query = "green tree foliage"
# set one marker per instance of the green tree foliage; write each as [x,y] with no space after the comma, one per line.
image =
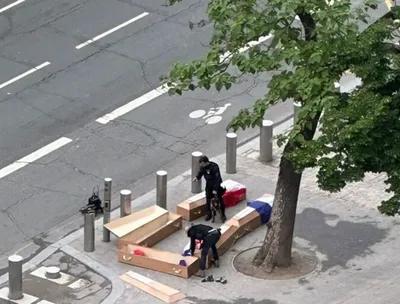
[312,44]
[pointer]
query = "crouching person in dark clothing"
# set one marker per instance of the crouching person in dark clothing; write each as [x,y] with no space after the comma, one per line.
[209,237]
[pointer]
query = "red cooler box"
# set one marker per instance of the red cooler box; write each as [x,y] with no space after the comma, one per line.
[235,192]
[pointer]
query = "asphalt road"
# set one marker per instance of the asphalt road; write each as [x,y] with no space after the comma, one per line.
[69,87]
[72,87]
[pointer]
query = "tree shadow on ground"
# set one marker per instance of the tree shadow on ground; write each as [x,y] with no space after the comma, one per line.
[236,301]
[341,242]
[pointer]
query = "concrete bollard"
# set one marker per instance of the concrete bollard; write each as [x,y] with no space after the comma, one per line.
[296,109]
[161,189]
[53,272]
[231,151]
[15,277]
[125,202]
[88,232]
[266,134]
[196,186]
[107,208]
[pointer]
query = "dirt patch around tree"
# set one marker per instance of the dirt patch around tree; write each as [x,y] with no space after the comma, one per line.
[303,263]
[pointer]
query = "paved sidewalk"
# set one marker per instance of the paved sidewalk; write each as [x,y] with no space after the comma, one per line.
[357,247]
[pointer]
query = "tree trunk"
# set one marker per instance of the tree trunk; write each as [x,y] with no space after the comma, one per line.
[277,247]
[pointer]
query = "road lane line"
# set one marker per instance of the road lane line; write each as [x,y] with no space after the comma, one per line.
[35,69]
[132,105]
[246,47]
[389,3]
[11,5]
[34,156]
[159,91]
[111,31]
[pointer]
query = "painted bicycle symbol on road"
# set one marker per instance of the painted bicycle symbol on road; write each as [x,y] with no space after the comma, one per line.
[213,115]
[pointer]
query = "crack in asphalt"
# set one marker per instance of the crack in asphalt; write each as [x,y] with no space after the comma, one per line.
[40,110]
[141,63]
[75,168]
[11,216]
[57,17]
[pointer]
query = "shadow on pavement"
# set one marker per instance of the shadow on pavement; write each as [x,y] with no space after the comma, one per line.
[341,242]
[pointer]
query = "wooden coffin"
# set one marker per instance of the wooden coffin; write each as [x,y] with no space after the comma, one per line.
[209,260]
[156,289]
[229,234]
[133,222]
[158,260]
[246,220]
[153,232]
[193,208]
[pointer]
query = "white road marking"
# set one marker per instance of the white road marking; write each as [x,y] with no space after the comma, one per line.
[250,44]
[34,156]
[158,92]
[389,3]
[246,47]
[11,5]
[35,69]
[197,114]
[111,31]
[213,120]
[132,105]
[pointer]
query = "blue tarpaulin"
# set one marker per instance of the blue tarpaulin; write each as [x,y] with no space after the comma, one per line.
[263,208]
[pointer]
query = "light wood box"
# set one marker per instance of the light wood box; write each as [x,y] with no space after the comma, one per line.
[158,260]
[193,208]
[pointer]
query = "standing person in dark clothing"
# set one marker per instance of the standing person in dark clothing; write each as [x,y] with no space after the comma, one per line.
[209,237]
[212,175]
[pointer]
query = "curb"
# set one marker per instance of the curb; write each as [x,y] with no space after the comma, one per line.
[118,287]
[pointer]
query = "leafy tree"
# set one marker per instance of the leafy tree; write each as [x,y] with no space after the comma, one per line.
[358,131]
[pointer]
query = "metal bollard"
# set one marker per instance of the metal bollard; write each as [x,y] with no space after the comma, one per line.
[88,232]
[231,145]
[296,109]
[266,134]
[125,202]
[15,277]
[196,186]
[107,208]
[161,189]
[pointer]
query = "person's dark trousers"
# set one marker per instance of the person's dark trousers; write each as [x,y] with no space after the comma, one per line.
[210,241]
[209,196]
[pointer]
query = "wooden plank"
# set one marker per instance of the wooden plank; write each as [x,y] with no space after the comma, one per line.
[154,288]
[122,226]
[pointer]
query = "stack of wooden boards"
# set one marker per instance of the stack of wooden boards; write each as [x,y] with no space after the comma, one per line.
[143,229]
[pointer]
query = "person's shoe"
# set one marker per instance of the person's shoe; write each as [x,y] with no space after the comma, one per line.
[207,218]
[223,218]
[200,274]
[216,264]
